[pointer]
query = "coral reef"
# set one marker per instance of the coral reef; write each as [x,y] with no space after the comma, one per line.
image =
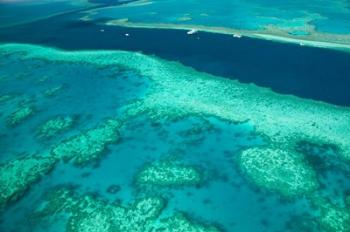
[96,215]
[22,113]
[87,213]
[55,126]
[283,171]
[53,91]
[176,91]
[331,218]
[168,173]
[179,223]
[88,145]
[17,175]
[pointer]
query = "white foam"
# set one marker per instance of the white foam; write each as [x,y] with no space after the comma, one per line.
[237,35]
[191,32]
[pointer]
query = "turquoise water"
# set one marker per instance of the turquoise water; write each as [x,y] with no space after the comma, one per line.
[175,110]
[90,94]
[22,12]
[324,15]
[78,89]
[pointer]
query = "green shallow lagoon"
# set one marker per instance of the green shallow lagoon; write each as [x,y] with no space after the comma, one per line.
[138,143]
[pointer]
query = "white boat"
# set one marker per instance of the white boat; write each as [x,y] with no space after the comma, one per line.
[191,32]
[126,34]
[237,35]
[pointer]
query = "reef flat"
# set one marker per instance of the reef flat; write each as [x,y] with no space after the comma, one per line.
[174,94]
[305,23]
[282,120]
[278,170]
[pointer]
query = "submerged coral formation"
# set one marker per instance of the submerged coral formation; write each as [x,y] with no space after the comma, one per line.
[17,175]
[332,218]
[283,171]
[88,145]
[22,112]
[176,92]
[179,223]
[87,213]
[169,173]
[93,215]
[55,126]
[5,98]
[53,91]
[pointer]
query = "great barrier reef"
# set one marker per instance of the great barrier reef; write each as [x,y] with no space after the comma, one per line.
[174,116]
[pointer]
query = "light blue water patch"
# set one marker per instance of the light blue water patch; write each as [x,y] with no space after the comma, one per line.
[86,93]
[333,16]
[334,25]
[253,15]
[14,12]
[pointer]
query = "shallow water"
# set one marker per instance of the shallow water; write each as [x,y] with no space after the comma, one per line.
[90,94]
[13,13]
[324,16]
[98,85]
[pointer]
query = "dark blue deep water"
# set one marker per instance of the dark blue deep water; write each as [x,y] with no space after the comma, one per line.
[313,73]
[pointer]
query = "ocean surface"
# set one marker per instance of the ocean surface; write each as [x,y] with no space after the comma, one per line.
[79,74]
[324,15]
[307,72]
[317,21]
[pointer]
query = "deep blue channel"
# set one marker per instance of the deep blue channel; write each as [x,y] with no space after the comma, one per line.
[314,73]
